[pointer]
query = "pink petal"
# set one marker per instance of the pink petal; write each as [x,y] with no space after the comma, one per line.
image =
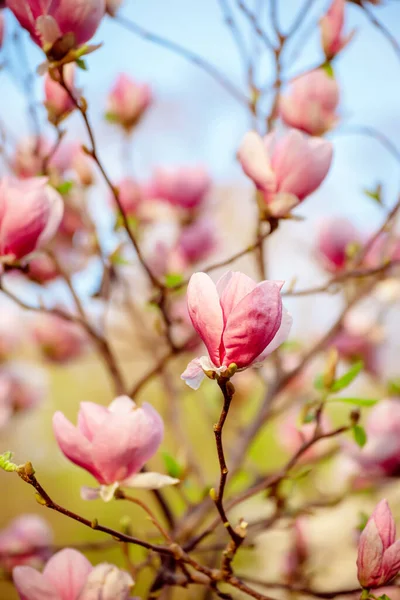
[125,442]
[67,571]
[193,375]
[383,518]
[149,481]
[77,16]
[206,313]
[391,561]
[370,554]
[32,585]
[122,405]
[252,325]
[253,157]
[90,418]
[74,444]
[281,336]
[234,290]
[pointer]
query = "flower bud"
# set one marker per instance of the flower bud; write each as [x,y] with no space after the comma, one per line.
[60,340]
[335,237]
[182,187]
[311,103]
[57,101]
[107,582]
[24,542]
[128,101]
[331,27]
[378,560]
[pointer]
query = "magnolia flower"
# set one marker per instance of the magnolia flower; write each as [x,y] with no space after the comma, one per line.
[24,542]
[285,170]
[68,575]
[311,104]
[384,248]
[2,27]
[128,101]
[183,187]
[31,152]
[59,340]
[113,444]
[47,22]
[57,101]
[331,26]
[335,237]
[293,434]
[30,213]
[130,195]
[197,240]
[378,560]
[240,322]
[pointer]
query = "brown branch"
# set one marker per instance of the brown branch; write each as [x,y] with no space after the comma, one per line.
[195,59]
[299,589]
[252,18]
[121,495]
[383,29]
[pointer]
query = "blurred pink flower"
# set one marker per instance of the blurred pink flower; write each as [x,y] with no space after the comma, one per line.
[239,322]
[57,101]
[198,240]
[2,27]
[292,435]
[59,340]
[130,195]
[378,560]
[359,339]
[113,444]
[311,103]
[331,26]
[31,153]
[30,214]
[285,170]
[82,164]
[297,556]
[386,247]
[335,237]
[183,187]
[49,21]
[128,101]
[25,541]
[11,331]
[23,386]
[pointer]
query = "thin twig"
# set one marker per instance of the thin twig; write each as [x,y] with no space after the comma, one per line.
[121,495]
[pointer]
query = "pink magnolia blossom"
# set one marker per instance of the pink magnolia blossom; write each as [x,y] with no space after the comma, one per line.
[82,164]
[384,248]
[285,170]
[68,575]
[57,101]
[311,103]
[183,187]
[113,444]
[359,339]
[49,21]
[293,434]
[335,237]
[30,213]
[198,240]
[128,101]
[31,152]
[22,387]
[331,26]
[25,541]
[378,560]
[239,322]
[59,340]
[130,195]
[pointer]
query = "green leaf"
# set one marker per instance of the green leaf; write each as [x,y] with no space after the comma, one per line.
[362,520]
[116,258]
[111,117]
[173,279]
[375,194]
[393,387]
[383,597]
[359,435]
[65,187]
[172,466]
[5,462]
[347,378]
[327,67]
[356,401]
[319,382]
[309,417]
[81,64]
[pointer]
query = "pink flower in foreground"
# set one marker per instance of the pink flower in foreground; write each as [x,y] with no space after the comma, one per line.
[25,541]
[30,213]
[59,340]
[331,26]
[311,103]
[239,322]
[183,187]
[285,170]
[57,101]
[378,560]
[335,237]
[113,444]
[128,101]
[68,575]
[49,21]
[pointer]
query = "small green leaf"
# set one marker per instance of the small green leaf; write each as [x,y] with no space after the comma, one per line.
[347,378]
[319,382]
[375,194]
[362,520]
[172,466]
[5,462]
[309,418]
[111,117]
[383,597]
[393,387]
[356,401]
[81,64]
[327,67]
[65,187]
[173,279]
[116,258]
[359,435]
